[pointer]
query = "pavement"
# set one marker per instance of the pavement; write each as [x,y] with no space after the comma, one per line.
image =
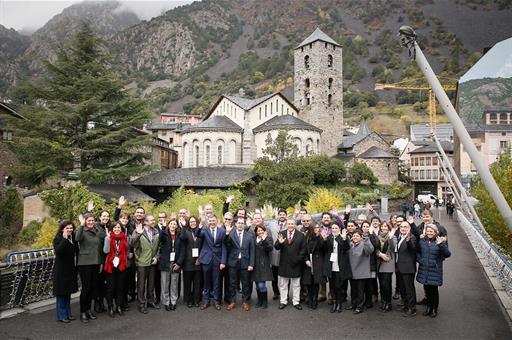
[468,309]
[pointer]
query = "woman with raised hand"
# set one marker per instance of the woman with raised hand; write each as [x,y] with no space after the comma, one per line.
[359,255]
[262,267]
[90,239]
[64,270]
[386,264]
[116,248]
[432,250]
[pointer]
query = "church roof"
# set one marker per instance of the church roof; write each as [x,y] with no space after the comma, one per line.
[215,123]
[376,152]
[351,140]
[246,103]
[285,122]
[318,35]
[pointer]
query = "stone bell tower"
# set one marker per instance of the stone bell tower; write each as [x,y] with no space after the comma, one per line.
[318,87]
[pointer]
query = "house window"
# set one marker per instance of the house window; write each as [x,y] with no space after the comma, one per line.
[493,118]
[329,100]
[329,60]
[427,161]
[503,145]
[434,161]
[503,118]
[435,174]
[307,83]
[422,161]
[219,154]
[6,135]
[422,174]
[330,83]
[306,62]
[428,174]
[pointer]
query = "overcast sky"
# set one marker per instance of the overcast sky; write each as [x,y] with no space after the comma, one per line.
[31,15]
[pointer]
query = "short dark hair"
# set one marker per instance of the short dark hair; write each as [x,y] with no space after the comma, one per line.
[259,226]
[326,213]
[376,218]
[139,207]
[282,210]
[303,209]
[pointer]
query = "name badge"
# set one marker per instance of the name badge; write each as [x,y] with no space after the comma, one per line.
[195,252]
[173,254]
[115,261]
[334,257]
[239,256]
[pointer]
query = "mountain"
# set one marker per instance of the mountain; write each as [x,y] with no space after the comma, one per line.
[12,46]
[188,56]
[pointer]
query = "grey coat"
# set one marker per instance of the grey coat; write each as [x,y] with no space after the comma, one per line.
[388,248]
[359,256]
[91,245]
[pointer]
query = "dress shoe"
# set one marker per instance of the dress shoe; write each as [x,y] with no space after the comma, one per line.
[358,310]
[71,318]
[422,302]
[167,307]
[190,305]
[231,306]
[143,310]
[153,305]
[204,306]
[433,314]
[131,299]
[119,310]
[111,312]
[90,315]
[245,307]
[64,321]
[298,306]
[427,311]
[334,307]
[197,305]
[282,306]
[276,297]
[218,306]
[173,306]
[410,313]
[84,318]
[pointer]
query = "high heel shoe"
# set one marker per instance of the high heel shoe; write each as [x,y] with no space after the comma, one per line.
[433,314]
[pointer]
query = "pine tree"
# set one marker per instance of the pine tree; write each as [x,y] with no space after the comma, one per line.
[81,119]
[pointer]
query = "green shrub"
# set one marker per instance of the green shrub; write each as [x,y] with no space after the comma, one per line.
[11,216]
[361,172]
[29,234]
[46,234]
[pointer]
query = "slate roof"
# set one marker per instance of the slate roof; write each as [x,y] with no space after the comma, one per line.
[171,126]
[345,156]
[422,132]
[246,103]
[375,152]
[317,35]
[285,122]
[203,177]
[432,147]
[215,123]
[350,140]
[112,192]
[9,110]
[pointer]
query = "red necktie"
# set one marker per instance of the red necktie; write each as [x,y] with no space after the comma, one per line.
[289,238]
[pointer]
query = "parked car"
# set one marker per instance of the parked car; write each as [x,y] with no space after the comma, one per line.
[430,199]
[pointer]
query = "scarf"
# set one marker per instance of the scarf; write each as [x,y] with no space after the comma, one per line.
[121,252]
[383,238]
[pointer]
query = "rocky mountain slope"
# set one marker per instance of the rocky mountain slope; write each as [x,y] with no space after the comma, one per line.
[185,58]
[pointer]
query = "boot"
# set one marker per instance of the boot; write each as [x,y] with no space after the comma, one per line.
[334,306]
[259,302]
[339,308]
[428,311]
[315,301]
[111,312]
[264,300]
[433,314]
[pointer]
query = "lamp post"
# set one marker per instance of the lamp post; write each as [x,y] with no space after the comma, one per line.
[409,40]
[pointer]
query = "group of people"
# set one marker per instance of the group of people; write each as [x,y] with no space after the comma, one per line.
[214,259]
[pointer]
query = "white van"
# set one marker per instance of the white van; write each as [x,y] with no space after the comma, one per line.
[429,198]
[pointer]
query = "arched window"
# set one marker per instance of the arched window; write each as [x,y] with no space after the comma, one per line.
[196,154]
[329,100]
[329,60]
[307,83]
[207,155]
[330,83]
[326,45]
[306,61]
[186,155]
[307,99]
[220,156]
[232,152]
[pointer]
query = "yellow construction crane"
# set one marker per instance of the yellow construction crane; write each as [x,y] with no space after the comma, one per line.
[431,96]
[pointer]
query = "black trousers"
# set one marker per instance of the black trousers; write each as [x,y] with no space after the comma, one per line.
[224,284]
[101,291]
[385,282]
[338,287]
[236,275]
[116,282]
[89,279]
[192,286]
[145,285]
[368,292]
[313,290]
[357,293]
[407,290]
[158,288]
[275,287]
[432,293]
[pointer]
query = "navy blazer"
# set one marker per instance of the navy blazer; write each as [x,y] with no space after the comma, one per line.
[247,249]
[212,252]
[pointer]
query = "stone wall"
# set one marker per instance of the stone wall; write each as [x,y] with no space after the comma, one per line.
[386,170]
[231,143]
[304,139]
[372,139]
[34,209]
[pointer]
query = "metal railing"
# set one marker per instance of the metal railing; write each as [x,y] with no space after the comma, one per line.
[26,277]
[489,252]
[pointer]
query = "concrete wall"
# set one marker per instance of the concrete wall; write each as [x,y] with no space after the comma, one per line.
[34,209]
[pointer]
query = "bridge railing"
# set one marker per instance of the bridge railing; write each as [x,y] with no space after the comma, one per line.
[26,277]
[488,252]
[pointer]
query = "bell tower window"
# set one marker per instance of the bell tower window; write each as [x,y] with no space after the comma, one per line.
[329,60]
[306,61]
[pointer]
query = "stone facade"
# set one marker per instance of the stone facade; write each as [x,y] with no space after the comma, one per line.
[372,139]
[197,144]
[386,170]
[318,89]
[308,142]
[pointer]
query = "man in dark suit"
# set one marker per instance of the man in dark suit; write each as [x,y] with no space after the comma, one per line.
[405,257]
[241,248]
[162,216]
[213,259]
[291,244]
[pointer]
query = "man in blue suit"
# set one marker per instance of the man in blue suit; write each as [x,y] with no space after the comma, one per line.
[213,259]
[241,248]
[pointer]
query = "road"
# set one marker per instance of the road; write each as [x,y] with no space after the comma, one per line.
[468,310]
